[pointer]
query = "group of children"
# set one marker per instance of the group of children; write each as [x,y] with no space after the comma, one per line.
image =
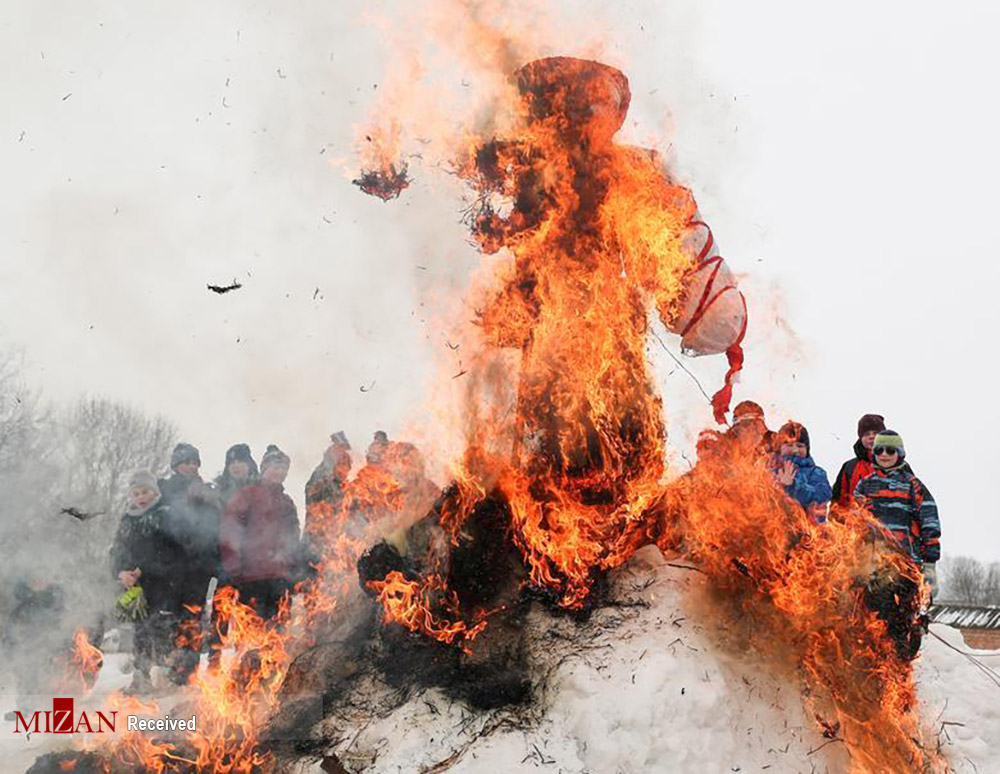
[877,478]
[179,532]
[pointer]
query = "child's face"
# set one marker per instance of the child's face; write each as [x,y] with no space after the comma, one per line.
[187,469]
[797,449]
[275,473]
[886,457]
[141,497]
[239,469]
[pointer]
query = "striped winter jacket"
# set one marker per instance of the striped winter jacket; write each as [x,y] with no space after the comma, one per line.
[906,508]
[852,471]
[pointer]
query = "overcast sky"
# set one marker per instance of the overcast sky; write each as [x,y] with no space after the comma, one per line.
[845,156]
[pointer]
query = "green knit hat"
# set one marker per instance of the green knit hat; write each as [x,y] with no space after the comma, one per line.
[891,439]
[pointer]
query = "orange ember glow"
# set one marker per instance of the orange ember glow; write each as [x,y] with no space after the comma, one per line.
[595,238]
[803,586]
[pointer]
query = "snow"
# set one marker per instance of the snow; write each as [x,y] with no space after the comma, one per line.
[637,689]
[653,692]
[960,700]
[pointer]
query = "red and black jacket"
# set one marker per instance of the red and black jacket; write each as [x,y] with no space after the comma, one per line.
[851,472]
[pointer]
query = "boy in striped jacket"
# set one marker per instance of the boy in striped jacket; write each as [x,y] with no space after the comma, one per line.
[902,504]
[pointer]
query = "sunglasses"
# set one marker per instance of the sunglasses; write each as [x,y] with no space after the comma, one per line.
[885,450]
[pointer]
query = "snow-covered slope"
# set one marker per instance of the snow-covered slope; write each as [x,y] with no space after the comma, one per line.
[644,689]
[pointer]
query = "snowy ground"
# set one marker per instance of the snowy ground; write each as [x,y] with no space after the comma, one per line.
[650,693]
[643,690]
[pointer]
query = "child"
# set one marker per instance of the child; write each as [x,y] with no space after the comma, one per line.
[259,538]
[902,504]
[859,466]
[148,560]
[240,470]
[803,480]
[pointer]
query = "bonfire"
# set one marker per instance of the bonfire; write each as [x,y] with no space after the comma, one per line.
[565,484]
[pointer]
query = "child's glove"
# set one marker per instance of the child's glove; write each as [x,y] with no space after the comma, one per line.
[132,605]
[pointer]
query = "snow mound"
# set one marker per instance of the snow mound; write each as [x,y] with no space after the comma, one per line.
[644,687]
[960,700]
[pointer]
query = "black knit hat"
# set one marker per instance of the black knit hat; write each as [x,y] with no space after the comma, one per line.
[870,422]
[274,456]
[339,438]
[793,432]
[376,449]
[241,452]
[184,452]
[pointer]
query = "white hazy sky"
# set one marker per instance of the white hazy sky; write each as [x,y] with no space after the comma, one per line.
[845,155]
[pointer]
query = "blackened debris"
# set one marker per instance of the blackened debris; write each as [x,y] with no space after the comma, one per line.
[896,600]
[378,561]
[76,513]
[221,289]
[385,184]
[68,760]
[830,730]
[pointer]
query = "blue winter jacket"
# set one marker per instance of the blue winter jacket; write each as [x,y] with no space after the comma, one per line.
[810,486]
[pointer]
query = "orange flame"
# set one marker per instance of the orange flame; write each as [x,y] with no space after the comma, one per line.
[803,586]
[86,661]
[231,703]
[410,603]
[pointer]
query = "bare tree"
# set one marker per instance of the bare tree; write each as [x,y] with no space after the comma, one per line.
[103,441]
[22,420]
[26,464]
[966,581]
[991,586]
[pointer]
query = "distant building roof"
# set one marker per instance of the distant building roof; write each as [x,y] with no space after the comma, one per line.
[966,616]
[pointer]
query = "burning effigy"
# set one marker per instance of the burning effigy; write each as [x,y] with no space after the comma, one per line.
[573,483]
